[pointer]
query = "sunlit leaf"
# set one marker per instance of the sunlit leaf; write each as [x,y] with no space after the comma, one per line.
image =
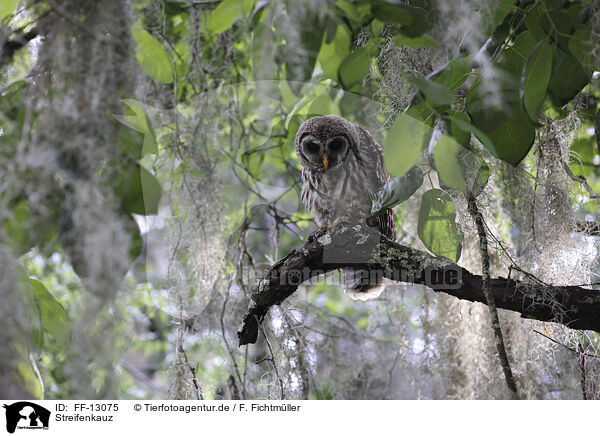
[459,168]
[445,156]
[152,56]
[54,316]
[183,58]
[437,226]
[333,53]
[140,122]
[404,142]
[7,8]
[252,161]
[225,15]
[419,41]
[353,69]
[321,105]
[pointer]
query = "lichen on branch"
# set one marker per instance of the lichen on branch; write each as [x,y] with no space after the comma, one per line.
[330,249]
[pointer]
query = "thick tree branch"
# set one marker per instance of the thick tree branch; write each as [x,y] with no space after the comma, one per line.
[328,250]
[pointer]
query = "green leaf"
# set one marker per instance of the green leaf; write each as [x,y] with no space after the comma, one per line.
[458,133]
[437,94]
[437,226]
[517,54]
[53,315]
[459,168]
[419,41]
[491,102]
[568,79]
[446,156]
[288,97]
[503,8]
[353,69]
[581,46]
[514,138]
[248,6]
[152,56]
[411,20]
[535,78]
[135,238]
[454,73]
[183,58]
[139,191]
[532,21]
[140,122]
[252,161]
[225,15]
[404,142]
[481,136]
[16,228]
[321,105]
[358,13]
[558,25]
[24,374]
[396,13]
[333,53]
[7,8]
[397,190]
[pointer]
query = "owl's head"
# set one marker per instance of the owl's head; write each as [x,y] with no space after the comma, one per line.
[323,143]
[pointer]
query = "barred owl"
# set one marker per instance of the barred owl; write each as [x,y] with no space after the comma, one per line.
[342,173]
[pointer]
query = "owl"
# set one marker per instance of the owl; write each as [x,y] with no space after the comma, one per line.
[341,175]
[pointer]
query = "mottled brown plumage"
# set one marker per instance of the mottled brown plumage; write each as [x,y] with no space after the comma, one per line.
[342,172]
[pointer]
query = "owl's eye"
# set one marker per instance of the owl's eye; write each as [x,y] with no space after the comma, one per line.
[336,145]
[312,147]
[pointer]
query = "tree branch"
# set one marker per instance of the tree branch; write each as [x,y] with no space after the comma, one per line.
[344,245]
[489,297]
[10,47]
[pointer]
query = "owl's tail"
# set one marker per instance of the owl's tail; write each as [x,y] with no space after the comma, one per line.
[360,284]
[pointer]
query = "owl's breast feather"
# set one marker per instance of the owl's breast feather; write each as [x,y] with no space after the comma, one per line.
[342,192]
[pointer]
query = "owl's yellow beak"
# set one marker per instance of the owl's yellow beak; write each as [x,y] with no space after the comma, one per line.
[325,161]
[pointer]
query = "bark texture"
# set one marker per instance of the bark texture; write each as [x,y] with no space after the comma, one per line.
[360,246]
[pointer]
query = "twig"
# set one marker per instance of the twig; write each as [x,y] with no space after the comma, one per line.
[199,395]
[491,303]
[9,48]
[37,374]
[273,362]
[581,180]
[565,346]
[229,349]
[581,359]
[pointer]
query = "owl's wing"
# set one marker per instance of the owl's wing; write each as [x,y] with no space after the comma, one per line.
[371,154]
